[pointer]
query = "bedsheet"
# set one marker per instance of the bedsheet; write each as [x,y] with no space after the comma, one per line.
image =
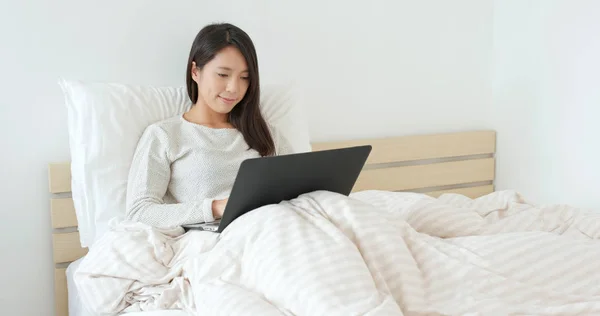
[76,307]
[368,254]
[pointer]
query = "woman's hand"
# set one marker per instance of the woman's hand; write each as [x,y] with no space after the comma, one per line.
[218,207]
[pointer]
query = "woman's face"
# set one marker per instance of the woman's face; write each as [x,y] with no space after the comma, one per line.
[223,81]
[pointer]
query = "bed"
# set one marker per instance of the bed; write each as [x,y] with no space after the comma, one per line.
[460,162]
[424,232]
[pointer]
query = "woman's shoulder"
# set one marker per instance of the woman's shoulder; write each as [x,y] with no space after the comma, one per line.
[164,128]
[159,135]
[167,123]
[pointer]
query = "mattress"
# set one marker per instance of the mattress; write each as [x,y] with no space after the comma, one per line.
[76,308]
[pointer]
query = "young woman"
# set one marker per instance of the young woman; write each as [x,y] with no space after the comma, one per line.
[184,167]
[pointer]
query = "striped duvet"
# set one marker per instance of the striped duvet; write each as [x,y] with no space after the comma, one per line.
[374,253]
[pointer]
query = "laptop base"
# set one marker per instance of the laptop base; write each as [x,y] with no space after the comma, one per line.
[208,227]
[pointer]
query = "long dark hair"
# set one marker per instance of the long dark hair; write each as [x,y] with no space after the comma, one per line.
[246,115]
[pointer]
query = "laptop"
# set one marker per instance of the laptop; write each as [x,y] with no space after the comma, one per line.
[271,180]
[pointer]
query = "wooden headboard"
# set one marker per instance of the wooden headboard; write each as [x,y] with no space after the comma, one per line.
[461,163]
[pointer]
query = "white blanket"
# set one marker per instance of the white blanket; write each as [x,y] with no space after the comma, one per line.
[376,253]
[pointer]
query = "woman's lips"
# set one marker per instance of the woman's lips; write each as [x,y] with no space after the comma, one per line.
[227,100]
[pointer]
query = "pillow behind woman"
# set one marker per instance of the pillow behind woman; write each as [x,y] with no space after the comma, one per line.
[105,123]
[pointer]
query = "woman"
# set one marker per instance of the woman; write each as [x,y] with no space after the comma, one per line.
[184,167]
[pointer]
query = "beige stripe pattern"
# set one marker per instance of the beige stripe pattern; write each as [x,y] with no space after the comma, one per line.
[375,253]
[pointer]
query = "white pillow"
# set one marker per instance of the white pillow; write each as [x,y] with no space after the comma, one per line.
[105,122]
[280,108]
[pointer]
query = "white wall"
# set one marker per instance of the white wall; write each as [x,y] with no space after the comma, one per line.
[547,99]
[391,68]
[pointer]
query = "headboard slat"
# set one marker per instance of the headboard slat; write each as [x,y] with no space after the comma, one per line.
[421,147]
[61,297]
[63,213]
[67,247]
[424,176]
[59,175]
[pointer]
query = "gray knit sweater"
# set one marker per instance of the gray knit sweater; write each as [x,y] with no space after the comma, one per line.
[180,167]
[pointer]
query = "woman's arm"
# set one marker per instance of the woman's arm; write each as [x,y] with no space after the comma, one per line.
[149,177]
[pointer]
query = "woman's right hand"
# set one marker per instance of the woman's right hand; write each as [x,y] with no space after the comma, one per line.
[218,207]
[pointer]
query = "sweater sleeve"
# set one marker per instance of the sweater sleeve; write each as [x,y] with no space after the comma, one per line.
[149,177]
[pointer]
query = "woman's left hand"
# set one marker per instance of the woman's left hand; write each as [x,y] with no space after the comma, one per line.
[218,207]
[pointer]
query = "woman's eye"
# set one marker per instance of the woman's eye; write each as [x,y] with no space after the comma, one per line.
[222,75]
[245,78]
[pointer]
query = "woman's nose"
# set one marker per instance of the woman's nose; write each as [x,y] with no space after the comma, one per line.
[232,86]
